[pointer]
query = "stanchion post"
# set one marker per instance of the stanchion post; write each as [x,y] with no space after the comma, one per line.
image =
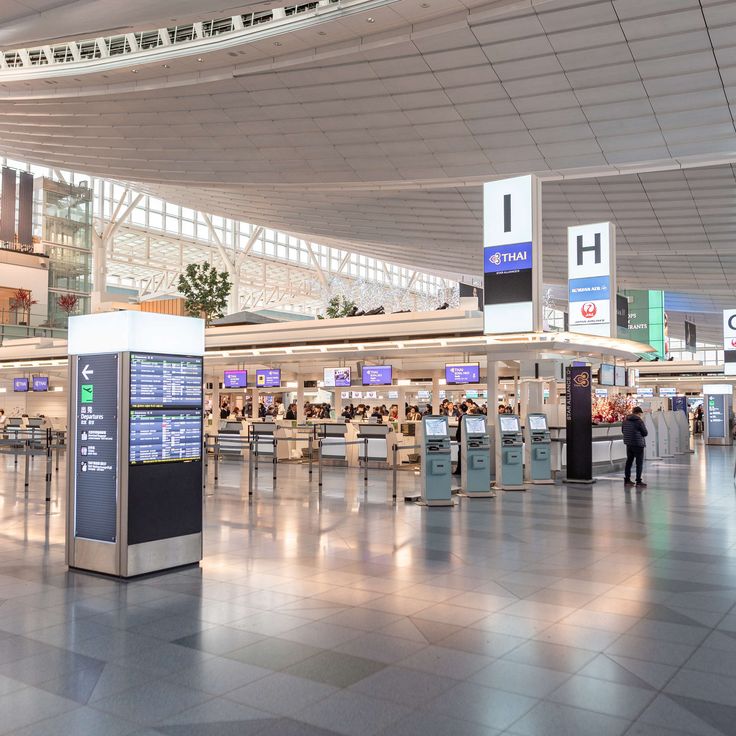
[250,469]
[217,459]
[365,461]
[275,462]
[309,450]
[25,478]
[395,452]
[319,464]
[49,449]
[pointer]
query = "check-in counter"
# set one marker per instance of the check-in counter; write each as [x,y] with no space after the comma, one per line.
[608,446]
[232,437]
[263,435]
[380,440]
[334,437]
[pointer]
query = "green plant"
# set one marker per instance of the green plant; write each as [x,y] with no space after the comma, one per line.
[22,301]
[337,307]
[205,291]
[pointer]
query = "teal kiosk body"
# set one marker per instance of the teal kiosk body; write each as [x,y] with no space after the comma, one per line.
[539,450]
[436,462]
[475,457]
[510,452]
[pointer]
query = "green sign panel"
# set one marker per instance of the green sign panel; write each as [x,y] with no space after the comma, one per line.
[88,393]
[647,319]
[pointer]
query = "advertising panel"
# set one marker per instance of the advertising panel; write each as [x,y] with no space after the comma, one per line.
[667,391]
[591,272]
[268,378]
[235,379]
[462,373]
[729,342]
[377,375]
[510,229]
[339,377]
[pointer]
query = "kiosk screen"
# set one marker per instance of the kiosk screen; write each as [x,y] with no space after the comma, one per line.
[475,425]
[509,424]
[436,427]
[537,423]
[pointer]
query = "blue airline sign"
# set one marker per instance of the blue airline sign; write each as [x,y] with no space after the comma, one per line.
[506,258]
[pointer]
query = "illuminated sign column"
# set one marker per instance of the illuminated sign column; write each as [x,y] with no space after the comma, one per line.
[591,273]
[729,342]
[135,442]
[512,255]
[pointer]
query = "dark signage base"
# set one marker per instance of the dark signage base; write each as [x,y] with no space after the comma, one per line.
[164,500]
[165,571]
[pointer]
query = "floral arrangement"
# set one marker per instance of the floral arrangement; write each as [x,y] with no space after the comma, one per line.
[614,409]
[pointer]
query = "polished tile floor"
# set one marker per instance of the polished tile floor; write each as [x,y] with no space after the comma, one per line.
[557,611]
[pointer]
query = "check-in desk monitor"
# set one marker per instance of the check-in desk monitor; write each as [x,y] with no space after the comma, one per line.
[436,461]
[511,450]
[376,434]
[333,441]
[538,449]
[475,456]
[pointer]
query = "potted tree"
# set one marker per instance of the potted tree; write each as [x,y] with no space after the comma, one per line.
[68,304]
[21,303]
[205,291]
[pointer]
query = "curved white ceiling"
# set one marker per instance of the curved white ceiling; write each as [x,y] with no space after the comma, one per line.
[375,130]
[28,22]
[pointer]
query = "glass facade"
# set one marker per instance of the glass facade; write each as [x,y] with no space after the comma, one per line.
[67,239]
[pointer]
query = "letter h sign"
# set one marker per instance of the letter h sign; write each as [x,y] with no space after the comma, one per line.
[595,248]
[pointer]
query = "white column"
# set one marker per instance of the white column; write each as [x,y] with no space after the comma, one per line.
[256,398]
[99,270]
[436,392]
[300,397]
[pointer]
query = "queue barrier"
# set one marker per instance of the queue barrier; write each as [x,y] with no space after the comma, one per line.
[365,458]
[30,443]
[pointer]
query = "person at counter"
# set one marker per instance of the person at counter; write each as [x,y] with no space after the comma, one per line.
[634,431]
[291,412]
[235,414]
[413,414]
[224,410]
[393,413]
[3,419]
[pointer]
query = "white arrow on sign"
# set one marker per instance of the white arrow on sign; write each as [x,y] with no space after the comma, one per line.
[87,372]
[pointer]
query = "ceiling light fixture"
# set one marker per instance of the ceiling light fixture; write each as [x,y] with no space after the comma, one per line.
[166,66]
[200,59]
[134,71]
[370,20]
[277,43]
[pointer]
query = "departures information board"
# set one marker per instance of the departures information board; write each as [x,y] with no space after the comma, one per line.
[161,381]
[165,408]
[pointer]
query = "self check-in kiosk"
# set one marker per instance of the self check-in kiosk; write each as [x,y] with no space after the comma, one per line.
[475,457]
[538,450]
[436,461]
[510,454]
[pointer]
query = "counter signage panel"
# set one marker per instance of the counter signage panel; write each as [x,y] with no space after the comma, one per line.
[606,375]
[668,392]
[716,414]
[165,408]
[161,381]
[463,373]
[40,383]
[621,375]
[235,379]
[377,375]
[268,378]
[164,435]
[645,393]
[96,460]
[20,384]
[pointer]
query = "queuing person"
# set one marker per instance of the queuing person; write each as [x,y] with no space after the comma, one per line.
[458,439]
[634,431]
[698,420]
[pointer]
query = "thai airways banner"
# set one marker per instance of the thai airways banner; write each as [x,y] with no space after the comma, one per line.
[591,273]
[579,424]
[512,255]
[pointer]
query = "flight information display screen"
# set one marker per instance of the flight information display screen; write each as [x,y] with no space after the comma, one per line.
[161,381]
[165,435]
[165,408]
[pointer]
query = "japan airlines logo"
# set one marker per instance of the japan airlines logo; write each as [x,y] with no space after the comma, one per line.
[588,310]
[733,343]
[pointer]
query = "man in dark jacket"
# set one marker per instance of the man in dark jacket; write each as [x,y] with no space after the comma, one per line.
[634,431]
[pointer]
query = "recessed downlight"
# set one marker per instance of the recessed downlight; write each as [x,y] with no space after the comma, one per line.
[370,20]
